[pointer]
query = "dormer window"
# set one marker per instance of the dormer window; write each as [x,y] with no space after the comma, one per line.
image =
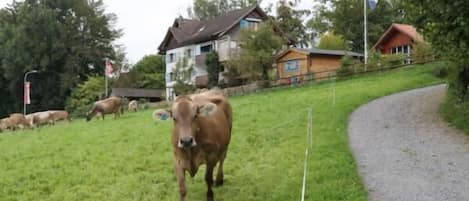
[250,23]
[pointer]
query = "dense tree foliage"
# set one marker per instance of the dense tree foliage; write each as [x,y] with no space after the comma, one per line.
[149,72]
[444,24]
[258,49]
[331,41]
[213,68]
[65,40]
[207,9]
[290,21]
[345,17]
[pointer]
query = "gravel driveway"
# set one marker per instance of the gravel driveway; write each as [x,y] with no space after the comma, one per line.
[406,152]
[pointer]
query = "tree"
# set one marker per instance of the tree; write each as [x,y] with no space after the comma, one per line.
[208,9]
[213,68]
[85,94]
[444,25]
[182,75]
[290,21]
[65,40]
[331,41]
[345,17]
[258,49]
[149,72]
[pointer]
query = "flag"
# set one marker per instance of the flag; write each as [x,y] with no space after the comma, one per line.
[27,98]
[372,4]
[109,70]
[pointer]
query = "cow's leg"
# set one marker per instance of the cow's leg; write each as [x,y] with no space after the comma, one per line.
[209,181]
[182,182]
[219,180]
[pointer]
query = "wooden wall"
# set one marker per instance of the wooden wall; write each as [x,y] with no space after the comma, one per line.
[395,39]
[316,63]
[292,55]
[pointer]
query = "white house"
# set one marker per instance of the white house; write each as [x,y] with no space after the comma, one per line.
[193,39]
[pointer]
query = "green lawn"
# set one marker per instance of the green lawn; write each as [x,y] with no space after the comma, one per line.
[456,112]
[131,158]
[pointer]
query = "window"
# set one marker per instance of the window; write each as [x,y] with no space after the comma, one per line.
[292,66]
[188,53]
[403,49]
[171,58]
[206,48]
[249,24]
[171,77]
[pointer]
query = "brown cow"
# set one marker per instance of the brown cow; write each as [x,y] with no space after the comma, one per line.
[201,134]
[59,115]
[42,118]
[106,106]
[17,120]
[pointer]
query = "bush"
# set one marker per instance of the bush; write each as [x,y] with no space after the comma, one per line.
[441,71]
[349,66]
[181,88]
[422,52]
[456,112]
[85,94]
[392,60]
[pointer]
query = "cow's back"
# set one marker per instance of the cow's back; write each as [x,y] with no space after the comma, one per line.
[109,105]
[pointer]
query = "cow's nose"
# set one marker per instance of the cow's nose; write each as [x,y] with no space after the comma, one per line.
[186,141]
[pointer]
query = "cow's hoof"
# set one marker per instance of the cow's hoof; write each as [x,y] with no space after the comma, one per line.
[219,183]
[209,199]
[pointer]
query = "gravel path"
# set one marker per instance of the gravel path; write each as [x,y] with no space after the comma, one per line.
[406,152]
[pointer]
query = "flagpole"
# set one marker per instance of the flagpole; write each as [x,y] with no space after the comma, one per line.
[105,77]
[365,35]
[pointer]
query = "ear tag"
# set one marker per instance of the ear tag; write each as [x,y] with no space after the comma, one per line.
[164,116]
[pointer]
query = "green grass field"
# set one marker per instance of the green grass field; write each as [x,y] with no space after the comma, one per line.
[456,112]
[131,158]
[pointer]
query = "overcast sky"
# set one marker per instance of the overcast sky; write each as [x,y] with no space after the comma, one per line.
[145,22]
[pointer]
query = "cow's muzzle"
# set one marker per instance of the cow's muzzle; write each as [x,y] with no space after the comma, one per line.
[186,142]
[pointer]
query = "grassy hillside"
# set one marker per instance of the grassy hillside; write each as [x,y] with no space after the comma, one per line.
[131,158]
[456,112]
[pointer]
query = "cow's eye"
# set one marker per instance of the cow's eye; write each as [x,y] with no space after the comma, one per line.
[195,117]
[174,119]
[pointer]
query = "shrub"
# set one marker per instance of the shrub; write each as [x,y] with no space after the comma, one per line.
[392,60]
[85,94]
[422,52]
[441,71]
[349,66]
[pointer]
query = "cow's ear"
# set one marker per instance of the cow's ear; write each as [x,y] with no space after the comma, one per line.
[162,114]
[207,109]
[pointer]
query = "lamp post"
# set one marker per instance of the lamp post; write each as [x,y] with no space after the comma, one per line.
[24,87]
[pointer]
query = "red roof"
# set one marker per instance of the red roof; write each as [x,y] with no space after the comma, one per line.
[406,29]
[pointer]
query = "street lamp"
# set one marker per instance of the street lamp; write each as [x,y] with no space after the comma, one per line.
[24,87]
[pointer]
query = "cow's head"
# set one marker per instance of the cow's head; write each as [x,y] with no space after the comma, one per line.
[184,113]
[88,116]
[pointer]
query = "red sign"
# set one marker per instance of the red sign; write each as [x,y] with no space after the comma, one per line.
[27,98]
[109,69]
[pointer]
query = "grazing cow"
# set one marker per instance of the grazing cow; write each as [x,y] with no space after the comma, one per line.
[201,134]
[5,124]
[106,106]
[59,115]
[17,120]
[30,120]
[41,118]
[133,105]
